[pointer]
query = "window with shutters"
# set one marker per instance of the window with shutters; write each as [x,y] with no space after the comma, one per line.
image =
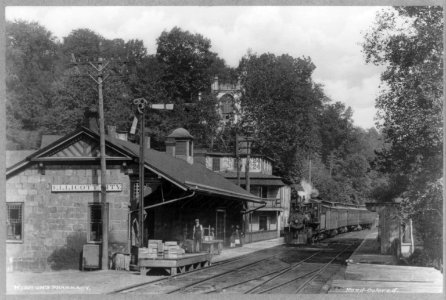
[14,222]
[95,222]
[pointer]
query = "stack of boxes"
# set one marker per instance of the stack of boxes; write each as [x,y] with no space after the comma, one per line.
[156,249]
[172,250]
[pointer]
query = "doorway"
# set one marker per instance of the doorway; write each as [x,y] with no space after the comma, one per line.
[220,224]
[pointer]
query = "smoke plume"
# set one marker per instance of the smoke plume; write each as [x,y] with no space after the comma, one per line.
[309,190]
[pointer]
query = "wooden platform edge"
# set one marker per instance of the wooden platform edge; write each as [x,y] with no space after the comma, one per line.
[382,287]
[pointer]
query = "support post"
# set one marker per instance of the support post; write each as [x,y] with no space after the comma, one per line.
[248,156]
[141,178]
[237,157]
[103,170]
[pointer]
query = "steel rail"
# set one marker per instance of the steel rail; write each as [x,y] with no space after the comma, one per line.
[219,275]
[242,282]
[306,274]
[279,272]
[282,272]
[214,265]
[318,272]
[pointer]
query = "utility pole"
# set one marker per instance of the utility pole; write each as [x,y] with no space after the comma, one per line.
[141,105]
[103,169]
[104,208]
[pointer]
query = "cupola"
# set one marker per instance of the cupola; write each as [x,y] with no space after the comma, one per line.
[180,144]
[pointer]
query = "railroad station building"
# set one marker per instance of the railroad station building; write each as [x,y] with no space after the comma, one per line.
[53,197]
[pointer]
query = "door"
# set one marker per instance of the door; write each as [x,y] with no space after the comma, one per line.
[220,224]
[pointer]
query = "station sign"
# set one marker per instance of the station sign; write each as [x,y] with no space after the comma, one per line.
[114,187]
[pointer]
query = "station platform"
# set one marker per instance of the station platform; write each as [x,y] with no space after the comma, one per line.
[368,271]
[229,253]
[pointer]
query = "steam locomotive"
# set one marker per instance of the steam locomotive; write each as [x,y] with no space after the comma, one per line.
[316,219]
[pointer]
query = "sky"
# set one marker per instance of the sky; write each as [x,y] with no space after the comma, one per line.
[330,35]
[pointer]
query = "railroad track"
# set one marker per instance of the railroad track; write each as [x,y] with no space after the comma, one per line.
[266,274]
[272,276]
[307,276]
[217,265]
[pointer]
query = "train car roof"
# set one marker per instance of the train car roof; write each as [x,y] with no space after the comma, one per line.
[337,205]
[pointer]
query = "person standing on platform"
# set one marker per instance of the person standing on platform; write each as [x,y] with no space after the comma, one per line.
[197,235]
[237,236]
[232,239]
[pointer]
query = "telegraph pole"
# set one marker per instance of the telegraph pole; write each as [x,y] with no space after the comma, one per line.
[104,208]
[103,170]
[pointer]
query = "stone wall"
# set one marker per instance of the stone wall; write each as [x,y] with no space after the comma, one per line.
[58,222]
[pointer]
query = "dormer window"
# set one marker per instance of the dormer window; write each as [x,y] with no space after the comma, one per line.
[180,144]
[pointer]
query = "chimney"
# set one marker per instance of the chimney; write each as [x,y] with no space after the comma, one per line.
[180,144]
[112,131]
[200,156]
[91,117]
[122,135]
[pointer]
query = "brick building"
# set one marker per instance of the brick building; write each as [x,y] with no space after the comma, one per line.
[53,197]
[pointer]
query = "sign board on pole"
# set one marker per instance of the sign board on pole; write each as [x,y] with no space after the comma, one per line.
[134,123]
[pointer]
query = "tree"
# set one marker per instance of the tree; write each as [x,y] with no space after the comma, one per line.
[31,65]
[335,129]
[188,68]
[282,102]
[408,42]
[187,60]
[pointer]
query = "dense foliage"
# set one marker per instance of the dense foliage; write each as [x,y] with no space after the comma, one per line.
[408,41]
[288,114]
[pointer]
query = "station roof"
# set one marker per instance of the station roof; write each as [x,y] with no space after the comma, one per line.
[187,176]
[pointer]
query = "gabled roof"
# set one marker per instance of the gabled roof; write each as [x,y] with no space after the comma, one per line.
[70,147]
[186,176]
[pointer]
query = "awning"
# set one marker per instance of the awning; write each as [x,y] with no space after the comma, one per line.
[260,181]
[271,209]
